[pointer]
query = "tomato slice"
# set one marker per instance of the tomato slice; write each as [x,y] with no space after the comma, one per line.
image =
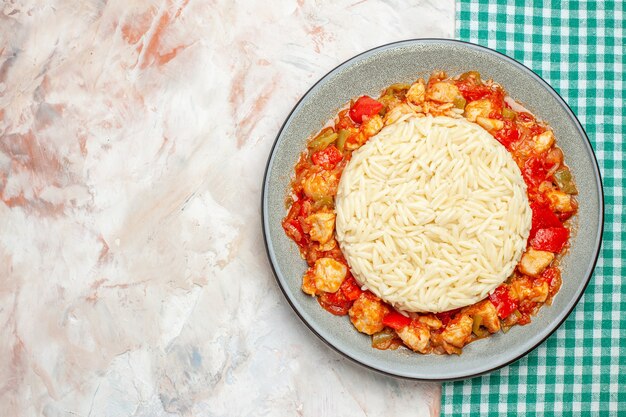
[327,158]
[396,320]
[502,300]
[364,106]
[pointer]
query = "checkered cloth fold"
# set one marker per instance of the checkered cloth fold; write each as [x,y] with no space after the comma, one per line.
[578,48]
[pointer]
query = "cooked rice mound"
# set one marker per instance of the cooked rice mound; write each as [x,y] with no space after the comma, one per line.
[432,214]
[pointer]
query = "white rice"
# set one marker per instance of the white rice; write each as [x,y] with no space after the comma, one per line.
[432,214]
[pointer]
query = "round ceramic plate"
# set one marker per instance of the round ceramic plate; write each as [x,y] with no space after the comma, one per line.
[369,73]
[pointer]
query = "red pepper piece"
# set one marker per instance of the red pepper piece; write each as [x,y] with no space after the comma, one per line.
[327,158]
[550,275]
[446,316]
[350,288]
[502,300]
[364,106]
[543,218]
[396,320]
[551,239]
[335,303]
[293,229]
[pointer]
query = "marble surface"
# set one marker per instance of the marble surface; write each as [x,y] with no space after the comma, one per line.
[133,139]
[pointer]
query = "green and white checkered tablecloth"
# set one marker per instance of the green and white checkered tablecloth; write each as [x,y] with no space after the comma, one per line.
[578,48]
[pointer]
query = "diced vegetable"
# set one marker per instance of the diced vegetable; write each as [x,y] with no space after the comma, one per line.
[341,139]
[397,88]
[542,218]
[365,106]
[396,320]
[508,113]
[327,158]
[477,329]
[563,178]
[471,74]
[551,239]
[459,102]
[322,202]
[293,229]
[502,300]
[321,141]
[350,288]
[383,339]
[335,303]
[551,275]
[446,316]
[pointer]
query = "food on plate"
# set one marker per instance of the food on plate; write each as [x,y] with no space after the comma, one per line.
[434,215]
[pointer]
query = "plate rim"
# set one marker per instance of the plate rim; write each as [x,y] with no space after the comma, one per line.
[500,55]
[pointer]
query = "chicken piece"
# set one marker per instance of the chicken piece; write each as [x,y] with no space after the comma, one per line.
[443,92]
[416,93]
[308,282]
[487,313]
[560,201]
[330,245]
[489,124]
[367,313]
[416,336]
[329,274]
[322,225]
[355,141]
[478,108]
[372,125]
[320,184]
[543,141]
[459,331]
[430,320]
[396,113]
[534,261]
[525,289]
